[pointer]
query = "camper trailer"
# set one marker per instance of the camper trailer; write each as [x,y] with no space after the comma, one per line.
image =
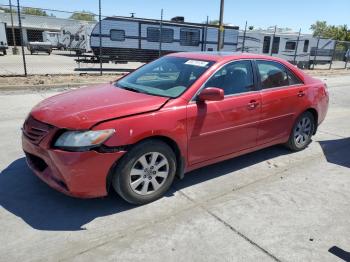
[76,38]
[136,39]
[52,37]
[288,46]
[3,38]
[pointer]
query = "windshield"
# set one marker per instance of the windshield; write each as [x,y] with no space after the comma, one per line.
[167,76]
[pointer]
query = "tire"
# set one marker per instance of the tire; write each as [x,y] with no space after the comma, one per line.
[302,132]
[5,52]
[149,182]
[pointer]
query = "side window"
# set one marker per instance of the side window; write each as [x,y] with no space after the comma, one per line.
[293,80]
[273,74]
[266,44]
[189,37]
[153,34]
[276,45]
[234,78]
[306,46]
[291,45]
[117,35]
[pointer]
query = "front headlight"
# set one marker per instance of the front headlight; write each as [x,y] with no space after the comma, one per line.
[83,140]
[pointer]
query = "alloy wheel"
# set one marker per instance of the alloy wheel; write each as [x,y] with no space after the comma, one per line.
[302,132]
[149,173]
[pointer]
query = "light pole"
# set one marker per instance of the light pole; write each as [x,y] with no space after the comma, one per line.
[14,49]
[100,29]
[221,26]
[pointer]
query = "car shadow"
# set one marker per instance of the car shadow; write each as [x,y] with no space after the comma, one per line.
[342,254]
[27,197]
[337,151]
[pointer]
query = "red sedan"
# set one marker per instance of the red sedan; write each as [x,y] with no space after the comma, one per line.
[178,113]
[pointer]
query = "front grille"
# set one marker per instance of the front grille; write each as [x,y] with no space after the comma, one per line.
[35,130]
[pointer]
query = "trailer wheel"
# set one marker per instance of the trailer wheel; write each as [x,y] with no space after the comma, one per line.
[5,52]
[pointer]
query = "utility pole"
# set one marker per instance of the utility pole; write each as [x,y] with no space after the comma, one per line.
[160,32]
[14,49]
[273,39]
[221,26]
[244,35]
[21,36]
[296,48]
[206,35]
[100,28]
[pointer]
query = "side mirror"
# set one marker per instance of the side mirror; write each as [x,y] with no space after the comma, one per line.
[211,94]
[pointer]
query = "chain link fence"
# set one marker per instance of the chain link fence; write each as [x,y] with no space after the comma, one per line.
[36,41]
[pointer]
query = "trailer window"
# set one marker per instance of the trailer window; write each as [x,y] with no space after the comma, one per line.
[189,37]
[266,44]
[306,46]
[117,35]
[291,45]
[276,45]
[153,34]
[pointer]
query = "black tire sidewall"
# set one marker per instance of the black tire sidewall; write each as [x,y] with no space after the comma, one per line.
[291,143]
[120,178]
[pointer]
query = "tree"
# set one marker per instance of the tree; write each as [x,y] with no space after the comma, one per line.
[33,11]
[322,29]
[7,10]
[83,15]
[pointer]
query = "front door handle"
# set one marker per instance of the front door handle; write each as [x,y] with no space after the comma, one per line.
[253,104]
[301,93]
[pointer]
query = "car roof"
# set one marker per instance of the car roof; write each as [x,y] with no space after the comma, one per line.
[222,56]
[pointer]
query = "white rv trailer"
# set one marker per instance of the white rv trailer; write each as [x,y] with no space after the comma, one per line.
[52,37]
[3,38]
[285,45]
[76,38]
[136,39]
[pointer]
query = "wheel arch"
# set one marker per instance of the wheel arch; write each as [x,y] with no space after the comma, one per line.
[180,160]
[314,113]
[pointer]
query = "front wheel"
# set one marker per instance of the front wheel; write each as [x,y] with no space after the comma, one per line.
[302,132]
[145,173]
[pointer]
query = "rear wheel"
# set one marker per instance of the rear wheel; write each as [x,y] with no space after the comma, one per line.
[302,132]
[145,173]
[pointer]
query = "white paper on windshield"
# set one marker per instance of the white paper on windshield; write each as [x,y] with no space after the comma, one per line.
[197,63]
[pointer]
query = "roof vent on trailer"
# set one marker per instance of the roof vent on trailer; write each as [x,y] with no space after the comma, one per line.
[180,19]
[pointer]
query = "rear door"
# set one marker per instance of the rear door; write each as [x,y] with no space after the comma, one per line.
[283,95]
[218,128]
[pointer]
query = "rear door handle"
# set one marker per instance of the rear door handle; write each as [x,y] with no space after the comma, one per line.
[301,93]
[253,104]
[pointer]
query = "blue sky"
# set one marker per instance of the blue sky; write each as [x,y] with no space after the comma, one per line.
[259,13]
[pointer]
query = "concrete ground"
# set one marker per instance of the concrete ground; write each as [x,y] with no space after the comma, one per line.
[271,205]
[57,63]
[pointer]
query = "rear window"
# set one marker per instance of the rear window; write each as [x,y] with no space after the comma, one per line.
[274,74]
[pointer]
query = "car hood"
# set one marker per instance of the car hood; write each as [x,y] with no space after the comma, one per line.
[85,107]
